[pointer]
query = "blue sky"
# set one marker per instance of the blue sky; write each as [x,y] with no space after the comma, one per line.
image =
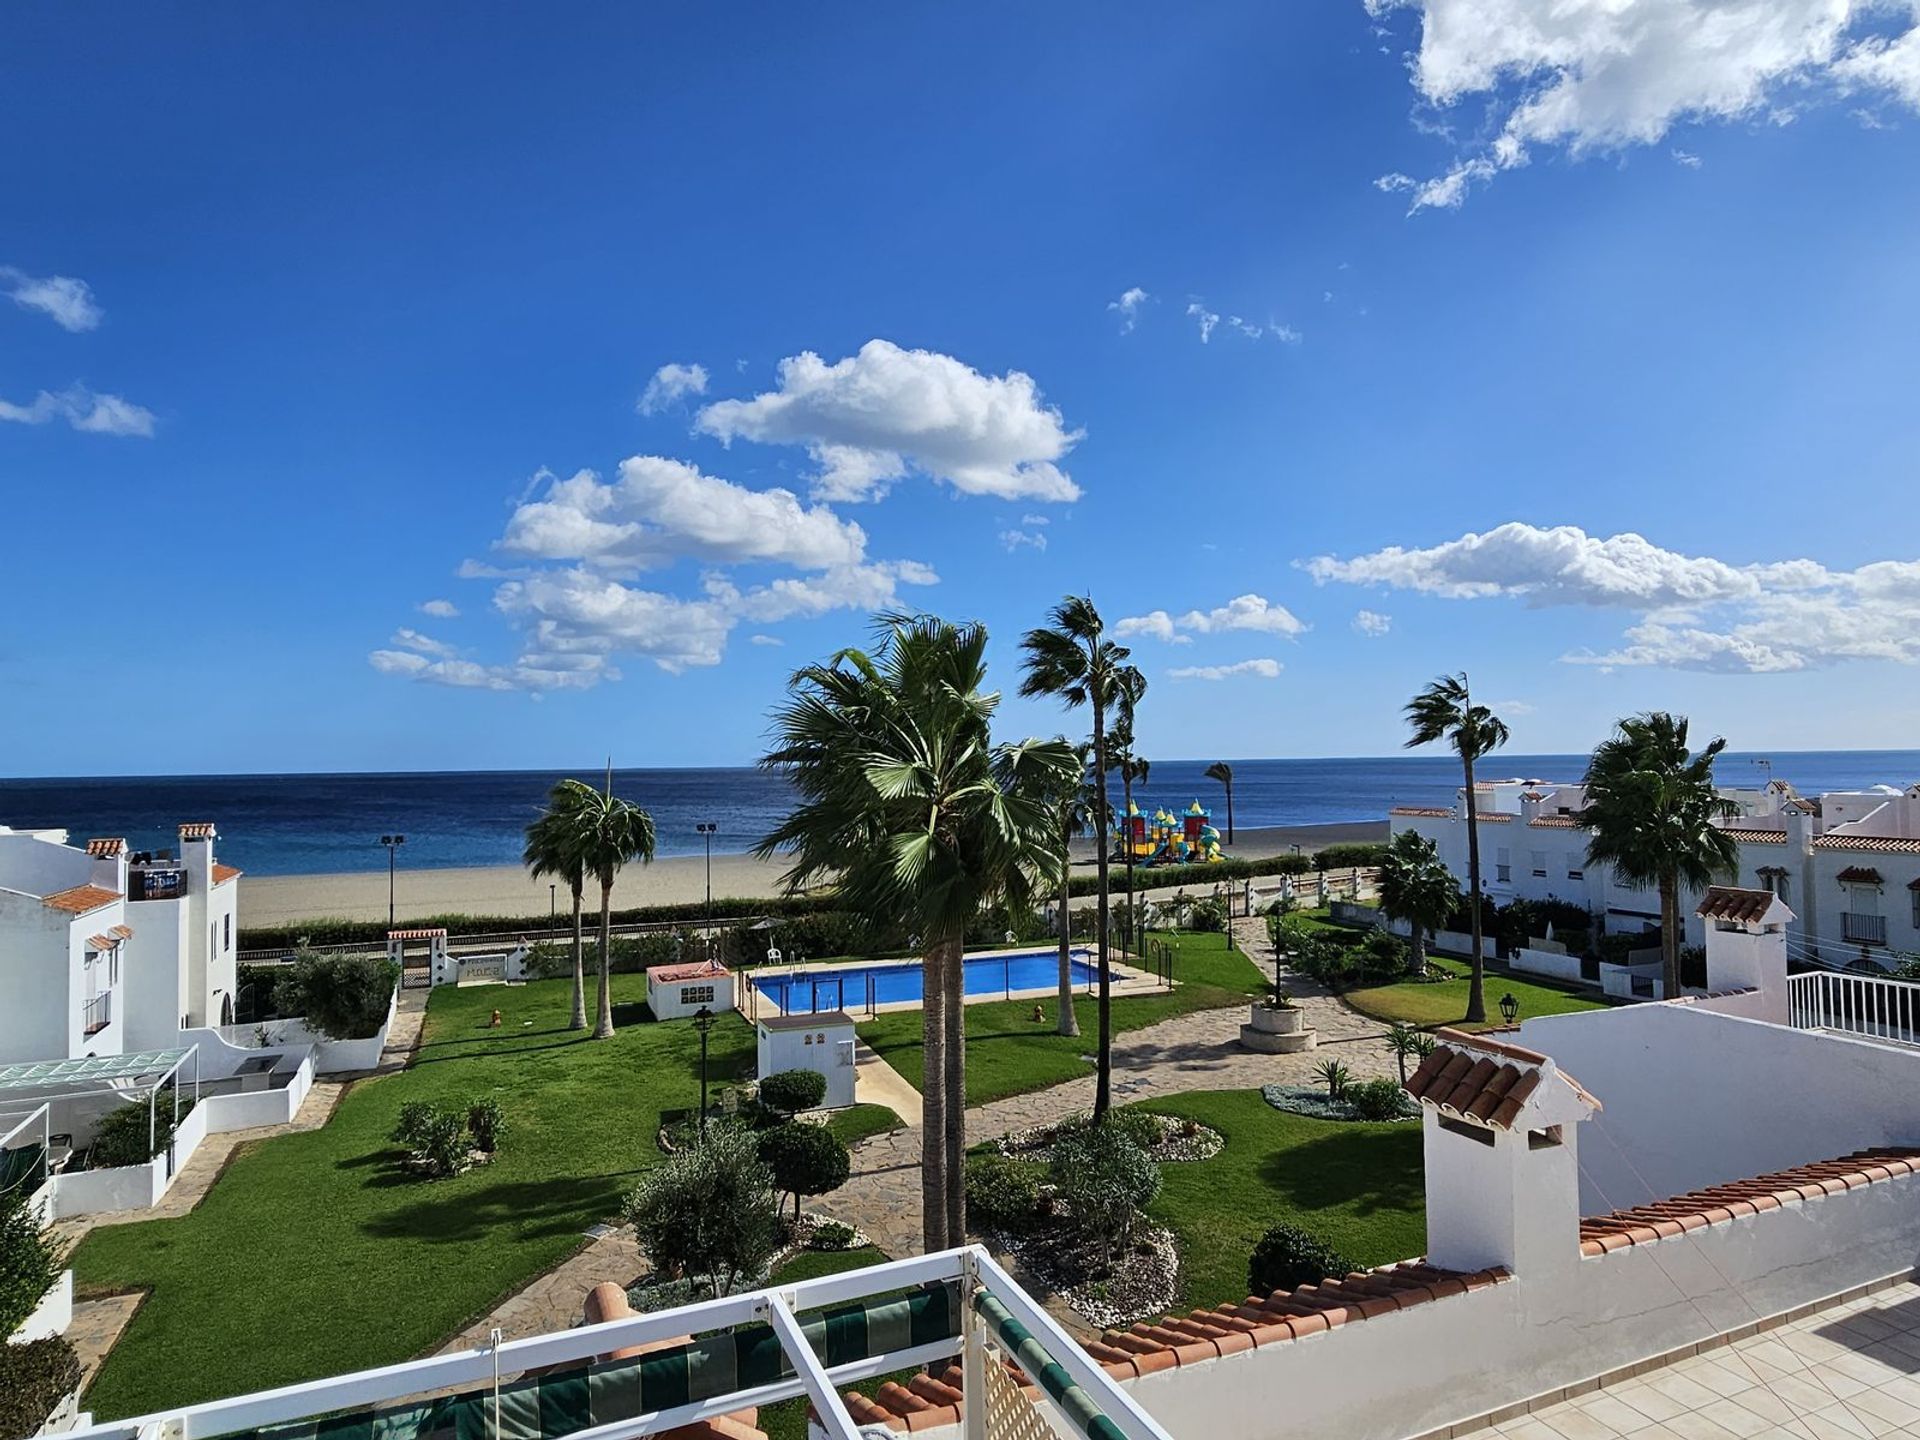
[1585,359]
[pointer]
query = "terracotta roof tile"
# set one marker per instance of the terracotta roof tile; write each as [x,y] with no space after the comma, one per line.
[696,970]
[1728,902]
[197,830]
[224,873]
[1755,835]
[80,899]
[1697,1209]
[1434,812]
[426,934]
[100,942]
[125,932]
[106,849]
[1878,844]
[1860,875]
[1555,822]
[1482,1079]
[1496,817]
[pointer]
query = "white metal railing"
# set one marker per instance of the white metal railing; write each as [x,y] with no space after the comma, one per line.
[970,1267]
[1858,929]
[1855,1004]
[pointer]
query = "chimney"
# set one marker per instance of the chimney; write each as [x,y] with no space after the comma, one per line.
[1747,946]
[196,853]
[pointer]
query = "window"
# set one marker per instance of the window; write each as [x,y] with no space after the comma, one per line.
[1503,864]
[696,994]
[1540,863]
[1916,907]
[1774,881]
[1573,874]
[1479,1134]
[1544,1139]
[227,931]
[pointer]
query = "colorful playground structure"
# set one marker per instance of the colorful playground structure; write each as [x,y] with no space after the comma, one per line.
[1164,838]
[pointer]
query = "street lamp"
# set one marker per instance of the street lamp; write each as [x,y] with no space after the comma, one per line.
[707,831]
[703,1022]
[393,843]
[1509,1007]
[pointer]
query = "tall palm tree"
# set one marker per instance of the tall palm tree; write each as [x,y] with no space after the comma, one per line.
[1445,711]
[1072,660]
[1130,688]
[1650,812]
[1075,804]
[910,809]
[1223,772]
[1416,886]
[550,850]
[606,832]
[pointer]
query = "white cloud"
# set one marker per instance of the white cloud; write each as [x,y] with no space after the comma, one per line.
[1265,669]
[660,510]
[1036,519]
[470,675]
[84,410]
[1208,319]
[1589,76]
[1014,539]
[1687,158]
[1696,612]
[871,418]
[439,609]
[68,302]
[1372,622]
[1155,623]
[671,383]
[1243,612]
[765,640]
[1129,305]
[413,640]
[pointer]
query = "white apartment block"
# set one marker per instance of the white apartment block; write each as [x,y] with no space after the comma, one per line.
[1847,862]
[104,951]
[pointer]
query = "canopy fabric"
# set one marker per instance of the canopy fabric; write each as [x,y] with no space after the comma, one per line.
[578,1397]
[91,1072]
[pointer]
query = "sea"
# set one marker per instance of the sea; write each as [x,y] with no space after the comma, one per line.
[329,824]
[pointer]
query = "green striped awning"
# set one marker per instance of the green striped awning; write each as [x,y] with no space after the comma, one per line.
[578,1397]
[1075,1403]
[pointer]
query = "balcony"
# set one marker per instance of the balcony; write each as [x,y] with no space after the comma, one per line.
[1863,929]
[97,1014]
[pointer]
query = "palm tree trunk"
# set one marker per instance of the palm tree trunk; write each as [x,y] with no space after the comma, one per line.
[603,1026]
[955,979]
[1069,1023]
[1477,986]
[1126,819]
[579,1020]
[1103,1051]
[1418,945]
[933,1101]
[1669,936]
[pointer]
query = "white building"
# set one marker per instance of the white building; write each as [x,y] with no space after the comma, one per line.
[675,992]
[109,952]
[822,1043]
[1847,862]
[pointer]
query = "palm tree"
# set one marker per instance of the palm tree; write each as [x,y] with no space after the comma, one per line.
[1073,661]
[1445,711]
[1130,689]
[606,832]
[1223,772]
[1417,887]
[1650,812]
[1404,1042]
[1075,804]
[550,850]
[920,820]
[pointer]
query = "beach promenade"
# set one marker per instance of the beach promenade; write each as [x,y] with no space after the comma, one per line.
[508,890]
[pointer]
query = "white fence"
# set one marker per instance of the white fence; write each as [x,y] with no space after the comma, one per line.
[1556,964]
[1854,1004]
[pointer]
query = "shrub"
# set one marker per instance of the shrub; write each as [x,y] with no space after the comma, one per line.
[831,1235]
[790,1091]
[805,1159]
[1374,1099]
[1383,957]
[121,1137]
[29,1263]
[1207,915]
[1335,1075]
[1288,1257]
[444,1148]
[34,1379]
[487,1123]
[1106,1180]
[708,1212]
[411,1128]
[344,997]
[1351,855]
[1002,1194]
[1139,1126]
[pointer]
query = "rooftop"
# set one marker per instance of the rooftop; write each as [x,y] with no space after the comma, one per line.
[80,899]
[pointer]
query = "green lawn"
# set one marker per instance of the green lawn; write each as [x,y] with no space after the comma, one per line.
[1009,1053]
[314,1254]
[1429,1003]
[861,1122]
[1358,1186]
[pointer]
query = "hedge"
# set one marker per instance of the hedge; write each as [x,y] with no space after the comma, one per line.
[34,1379]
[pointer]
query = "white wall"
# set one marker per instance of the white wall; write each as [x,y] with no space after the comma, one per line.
[52,1316]
[825,1049]
[666,1002]
[1559,965]
[37,1019]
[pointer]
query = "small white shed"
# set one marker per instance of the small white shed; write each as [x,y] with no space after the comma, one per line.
[675,992]
[822,1043]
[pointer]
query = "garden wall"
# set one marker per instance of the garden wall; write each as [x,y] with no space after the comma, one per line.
[1560,965]
[53,1316]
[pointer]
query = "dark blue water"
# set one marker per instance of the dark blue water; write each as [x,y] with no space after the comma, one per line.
[841,989]
[320,824]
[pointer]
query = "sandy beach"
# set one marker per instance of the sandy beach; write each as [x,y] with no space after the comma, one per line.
[509,890]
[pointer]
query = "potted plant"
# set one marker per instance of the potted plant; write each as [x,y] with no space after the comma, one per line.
[1277,1026]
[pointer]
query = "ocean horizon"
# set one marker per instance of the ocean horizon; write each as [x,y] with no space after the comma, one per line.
[331,823]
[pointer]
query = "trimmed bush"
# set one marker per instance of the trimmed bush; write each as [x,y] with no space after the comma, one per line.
[1288,1257]
[1137,1125]
[708,1212]
[411,1128]
[791,1091]
[831,1235]
[344,997]
[1002,1194]
[487,1123]
[34,1379]
[1351,855]
[1107,1181]
[1374,1099]
[805,1160]
[121,1136]
[29,1263]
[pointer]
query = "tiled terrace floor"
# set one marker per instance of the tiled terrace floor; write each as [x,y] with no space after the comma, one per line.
[1850,1371]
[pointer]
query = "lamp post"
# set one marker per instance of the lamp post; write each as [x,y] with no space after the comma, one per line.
[1509,1007]
[393,843]
[703,1022]
[707,830]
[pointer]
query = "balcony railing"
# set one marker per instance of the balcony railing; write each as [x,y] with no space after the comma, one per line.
[1854,1004]
[97,1014]
[1863,929]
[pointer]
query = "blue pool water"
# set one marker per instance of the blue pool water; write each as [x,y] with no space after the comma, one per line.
[858,986]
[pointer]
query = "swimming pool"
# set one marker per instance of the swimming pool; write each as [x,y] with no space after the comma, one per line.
[860,987]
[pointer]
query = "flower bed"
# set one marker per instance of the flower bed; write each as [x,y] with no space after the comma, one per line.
[1176,1140]
[651,1292]
[1142,1282]
[1313,1102]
